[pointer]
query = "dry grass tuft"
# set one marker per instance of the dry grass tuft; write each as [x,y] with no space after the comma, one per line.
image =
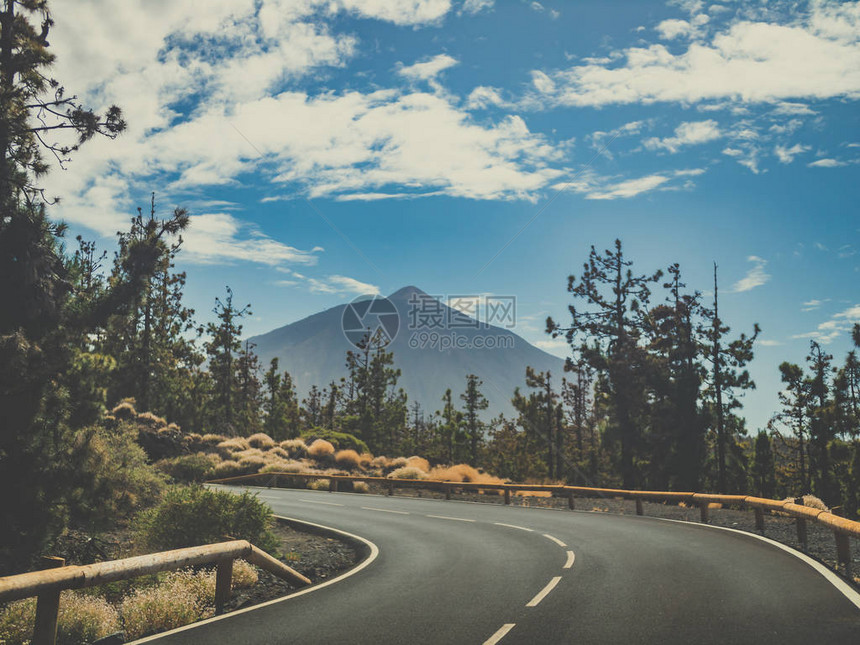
[397,462]
[124,411]
[380,462]
[282,466]
[407,472]
[261,440]
[319,484]
[365,460]
[213,439]
[811,501]
[463,473]
[184,597]
[320,450]
[360,487]
[295,447]
[82,619]
[229,446]
[229,468]
[151,420]
[277,453]
[244,575]
[348,459]
[418,462]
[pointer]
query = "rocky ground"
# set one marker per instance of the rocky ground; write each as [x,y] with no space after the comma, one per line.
[314,556]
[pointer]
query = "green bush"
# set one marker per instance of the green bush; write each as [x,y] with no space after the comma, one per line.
[340,440]
[189,469]
[193,515]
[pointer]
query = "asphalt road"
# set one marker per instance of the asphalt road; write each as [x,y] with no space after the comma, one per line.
[453,572]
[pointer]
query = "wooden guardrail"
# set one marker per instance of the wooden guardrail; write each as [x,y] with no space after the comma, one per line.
[843,529]
[47,584]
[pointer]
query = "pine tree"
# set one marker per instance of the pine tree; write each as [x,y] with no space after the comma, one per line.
[727,380]
[474,401]
[763,470]
[821,426]
[610,317]
[223,349]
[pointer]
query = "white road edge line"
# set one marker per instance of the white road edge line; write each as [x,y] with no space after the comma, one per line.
[832,578]
[556,540]
[445,517]
[570,559]
[383,510]
[500,634]
[512,526]
[313,501]
[543,593]
[374,553]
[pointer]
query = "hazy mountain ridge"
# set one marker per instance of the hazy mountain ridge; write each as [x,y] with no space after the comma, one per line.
[313,351]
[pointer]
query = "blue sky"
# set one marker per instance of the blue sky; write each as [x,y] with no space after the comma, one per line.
[331,148]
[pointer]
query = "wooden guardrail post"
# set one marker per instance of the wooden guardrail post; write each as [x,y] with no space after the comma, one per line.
[332,485]
[639,509]
[571,504]
[390,488]
[759,519]
[447,491]
[843,551]
[223,584]
[508,496]
[703,512]
[47,608]
[801,528]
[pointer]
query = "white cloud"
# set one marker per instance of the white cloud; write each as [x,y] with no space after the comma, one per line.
[686,134]
[477,6]
[339,284]
[483,97]
[826,163]
[750,61]
[811,305]
[219,238]
[769,343]
[673,28]
[839,324]
[629,187]
[786,155]
[755,277]
[746,155]
[428,69]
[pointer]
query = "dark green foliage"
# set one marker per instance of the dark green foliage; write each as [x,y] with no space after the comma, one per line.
[193,515]
[474,401]
[340,440]
[764,467]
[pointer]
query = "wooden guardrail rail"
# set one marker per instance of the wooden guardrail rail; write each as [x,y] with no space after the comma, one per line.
[47,584]
[843,529]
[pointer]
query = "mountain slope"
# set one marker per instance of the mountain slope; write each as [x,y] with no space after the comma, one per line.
[313,351]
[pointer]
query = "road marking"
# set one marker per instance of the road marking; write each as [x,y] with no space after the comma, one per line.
[570,559]
[445,517]
[543,593]
[512,526]
[383,510]
[313,501]
[499,635]
[556,540]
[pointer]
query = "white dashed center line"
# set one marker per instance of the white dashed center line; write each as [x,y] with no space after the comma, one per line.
[570,559]
[556,540]
[512,526]
[383,510]
[499,635]
[543,593]
[313,501]
[445,517]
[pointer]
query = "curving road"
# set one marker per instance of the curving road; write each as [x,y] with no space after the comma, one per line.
[449,572]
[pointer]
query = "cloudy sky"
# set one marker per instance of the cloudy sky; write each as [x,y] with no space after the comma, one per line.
[328,148]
